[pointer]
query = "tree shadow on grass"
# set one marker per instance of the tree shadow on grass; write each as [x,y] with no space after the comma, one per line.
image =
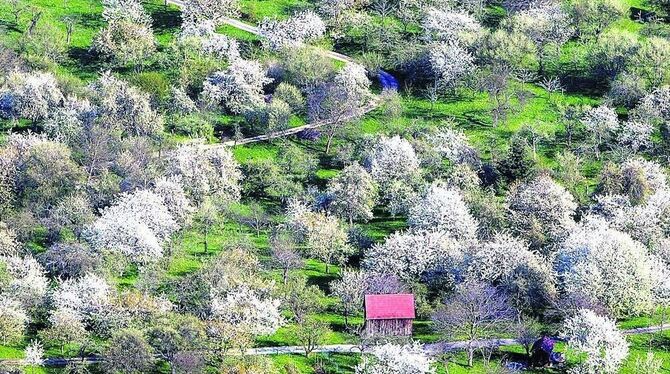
[89,21]
[164,19]
[85,61]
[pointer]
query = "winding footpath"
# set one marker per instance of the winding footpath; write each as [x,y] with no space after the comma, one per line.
[372,105]
[256,31]
[431,349]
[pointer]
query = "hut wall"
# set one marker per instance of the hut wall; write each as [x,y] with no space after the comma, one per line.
[388,327]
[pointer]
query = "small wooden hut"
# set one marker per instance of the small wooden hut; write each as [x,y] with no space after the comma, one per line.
[389,315]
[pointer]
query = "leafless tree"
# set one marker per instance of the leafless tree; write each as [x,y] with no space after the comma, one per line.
[476,311]
[496,83]
[284,255]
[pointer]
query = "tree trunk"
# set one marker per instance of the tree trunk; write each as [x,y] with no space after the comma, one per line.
[330,141]
[471,354]
[205,240]
[285,275]
[327,268]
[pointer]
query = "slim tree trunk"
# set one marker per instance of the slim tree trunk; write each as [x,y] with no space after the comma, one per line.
[205,239]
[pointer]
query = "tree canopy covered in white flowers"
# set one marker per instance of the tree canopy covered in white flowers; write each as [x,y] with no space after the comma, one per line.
[598,337]
[188,185]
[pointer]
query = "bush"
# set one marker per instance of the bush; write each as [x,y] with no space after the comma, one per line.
[193,126]
[153,83]
[291,95]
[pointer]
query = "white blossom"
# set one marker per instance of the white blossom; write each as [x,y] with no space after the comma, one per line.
[453,145]
[451,26]
[410,254]
[136,226]
[598,337]
[131,10]
[541,210]
[29,95]
[353,193]
[394,359]
[602,122]
[124,107]
[248,309]
[451,62]
[635,135]
[86,295]
[174,198]
[654,107]
[353,79]
[28,283]
[609,267]
[646,223]
[238,88]
[66,123]
[443,209]
[544,25]
[210,42]
[392,159]
[209,10]
[293,32]
[13,320]
[34,354]
[9,245]
[206,172]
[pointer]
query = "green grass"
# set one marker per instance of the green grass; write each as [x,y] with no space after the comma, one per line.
[256,10]
[88,21]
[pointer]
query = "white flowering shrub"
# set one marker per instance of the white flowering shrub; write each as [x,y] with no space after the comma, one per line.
[249,310]
[451,62]
[204,35]
[453,145]
[128,38]
[451,26]
[409,255]
[353,193]
[392,159]
[324,235]
[598,337]
[29,95]
[65,124]
[646,223]
[136,226]
[174,198]
[9,245]
[206,172]
[508,261]
[293,32]
[602,122]
[34,354]
[654,107]
[13,321]
[635,136]
[27,281]
[544,25]
[238,88]
[443,209]
[541,210]
[194,11]
[124,107]
[132,10]
[352,79]
[393,359]
[609,267]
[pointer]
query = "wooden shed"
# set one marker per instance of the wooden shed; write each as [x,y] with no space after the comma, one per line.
[389,315]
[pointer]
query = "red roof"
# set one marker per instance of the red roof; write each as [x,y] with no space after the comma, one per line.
[399,306]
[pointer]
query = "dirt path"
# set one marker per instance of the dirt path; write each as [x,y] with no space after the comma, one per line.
[292,131]
[431,349]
